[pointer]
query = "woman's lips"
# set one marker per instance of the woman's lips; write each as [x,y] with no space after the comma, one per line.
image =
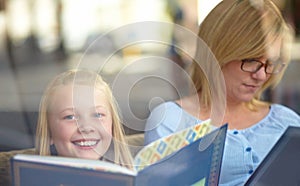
[251,87]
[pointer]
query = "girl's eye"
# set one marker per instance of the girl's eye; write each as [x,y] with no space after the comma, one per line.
[69,117]
[98,115]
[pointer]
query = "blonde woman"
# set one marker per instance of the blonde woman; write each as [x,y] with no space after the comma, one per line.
[249,40]
[78,118]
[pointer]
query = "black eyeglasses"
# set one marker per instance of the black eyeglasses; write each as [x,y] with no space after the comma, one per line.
[254,65]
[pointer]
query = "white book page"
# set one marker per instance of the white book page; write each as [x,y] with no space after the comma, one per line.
[75,162]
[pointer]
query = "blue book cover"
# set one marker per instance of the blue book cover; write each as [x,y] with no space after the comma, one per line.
[197,163]
[281,164]
[34,170]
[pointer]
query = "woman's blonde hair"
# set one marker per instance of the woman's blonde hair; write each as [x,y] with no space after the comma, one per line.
[82,77]
[241,29]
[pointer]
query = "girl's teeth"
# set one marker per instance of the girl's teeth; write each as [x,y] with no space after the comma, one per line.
[87,143]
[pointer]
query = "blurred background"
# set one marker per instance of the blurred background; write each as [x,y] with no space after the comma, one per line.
[41,38]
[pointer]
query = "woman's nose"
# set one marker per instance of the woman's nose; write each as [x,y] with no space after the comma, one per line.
[260,74]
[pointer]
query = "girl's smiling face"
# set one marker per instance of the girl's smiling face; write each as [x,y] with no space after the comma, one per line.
[80,122]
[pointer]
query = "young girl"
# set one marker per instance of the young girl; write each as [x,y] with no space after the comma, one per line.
[78,118]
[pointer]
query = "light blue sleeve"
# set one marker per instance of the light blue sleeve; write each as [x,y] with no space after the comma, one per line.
[165,119]
[162,121]
[284,116]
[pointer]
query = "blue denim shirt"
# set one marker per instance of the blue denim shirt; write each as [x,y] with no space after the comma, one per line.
[244,149]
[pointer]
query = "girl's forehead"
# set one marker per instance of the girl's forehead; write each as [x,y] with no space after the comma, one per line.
[80,88]
[87,91]
[76,97]
[78,92]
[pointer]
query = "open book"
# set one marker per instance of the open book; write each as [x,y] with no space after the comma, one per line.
[189,157]
[281,165]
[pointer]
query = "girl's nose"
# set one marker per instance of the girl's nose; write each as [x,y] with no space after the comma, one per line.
[85,126]
[85,129]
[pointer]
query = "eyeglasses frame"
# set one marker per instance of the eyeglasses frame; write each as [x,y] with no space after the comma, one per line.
[265,65]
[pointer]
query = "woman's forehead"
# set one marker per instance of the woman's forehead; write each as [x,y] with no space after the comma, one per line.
[273,49]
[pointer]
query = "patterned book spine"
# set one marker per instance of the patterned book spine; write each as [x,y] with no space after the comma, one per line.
[169,144]
[216,161]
